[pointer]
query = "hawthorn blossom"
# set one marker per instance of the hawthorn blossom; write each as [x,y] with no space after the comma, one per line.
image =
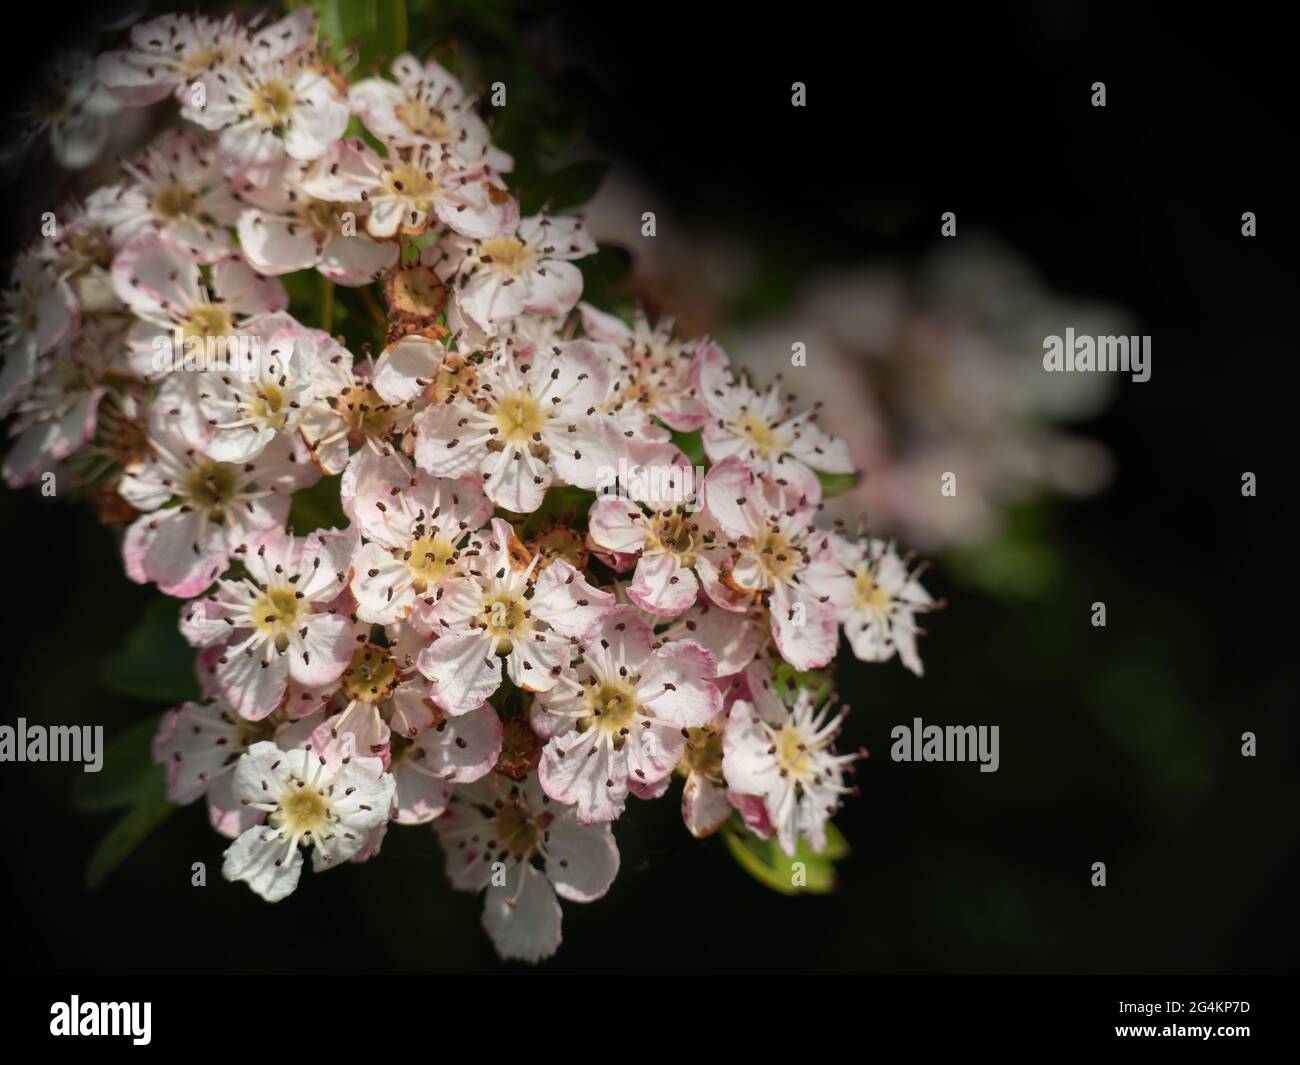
[331,808]
[528,272]
[270,106]
[264,396]
[412,188]
[785,756]
[177,191]
[199,744]
[168,54]
[656,373]
[284,227]
[666,545]
[618,718]
[221,505]
[522,423]
[880,619]
[427,106]
[450,751]
[72,107]
[759,426]
[281,620]
[511,840]
[163,286]
[505,605]
[415,533]
[59,414]
[776,557]
[705,805]
[36,312]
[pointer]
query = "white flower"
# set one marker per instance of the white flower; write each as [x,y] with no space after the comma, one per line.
[427,106]
[163,286]
[221,505]
[36,312]
[412,188]
[777,557]
[332,809]
[761,427]
[504,606]
[785,756]
[279,621]
[72,106]
[529,272]
[177,192]
[266,109]
[880,618]
[415,531]
[525,849]
[249,405]
[285,228]
[618,718]
[522,423]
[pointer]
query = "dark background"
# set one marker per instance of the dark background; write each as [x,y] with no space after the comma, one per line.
[1119,744]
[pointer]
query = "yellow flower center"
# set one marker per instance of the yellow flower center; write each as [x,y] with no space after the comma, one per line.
[519,417]
[505,253]
[211,486]
[422,119]
[867,593]
[207,320]
[612,709]
[675,534]
[272,103]
[274,614]
[371,676]
[703,754]
[406,181]
[504,618]
[364,412]
[303,811]
[174,201]
[778,558]
[431,559]
[792,753]
[765,441]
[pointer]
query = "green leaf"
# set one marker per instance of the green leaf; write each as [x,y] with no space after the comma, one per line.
[807,873]
[570,186]
[836,484]
[318,507]
[377,29]
[603,273]
[691,445]
[128,763]
[147,812]
[156,663]
[787,680]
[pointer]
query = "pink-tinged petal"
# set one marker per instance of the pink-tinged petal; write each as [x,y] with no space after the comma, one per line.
[804,630]
[518,481]
[606,327]
[244,291]
[457,750]
[593,783]
[357,260]
[663,586]
[675,683]
[318,121]
[326,650]
[555,291]
[652,754]
[705,808]
[617,525]
[486,299]
[264,866]
[276,245]
[160,548]
[523,916]
[194,744]
[566,602]
[286,37]
[252,684]
[532,663]
[461,670]
[150,276]
[438,442]
[753,812]
[226,813]
[733,496]
[581,860]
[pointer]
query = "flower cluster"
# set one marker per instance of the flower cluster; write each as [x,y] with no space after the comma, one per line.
[537,604]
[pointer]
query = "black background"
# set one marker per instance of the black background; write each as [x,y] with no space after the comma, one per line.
[986,113]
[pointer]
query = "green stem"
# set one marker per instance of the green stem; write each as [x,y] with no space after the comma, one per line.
[327,304]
